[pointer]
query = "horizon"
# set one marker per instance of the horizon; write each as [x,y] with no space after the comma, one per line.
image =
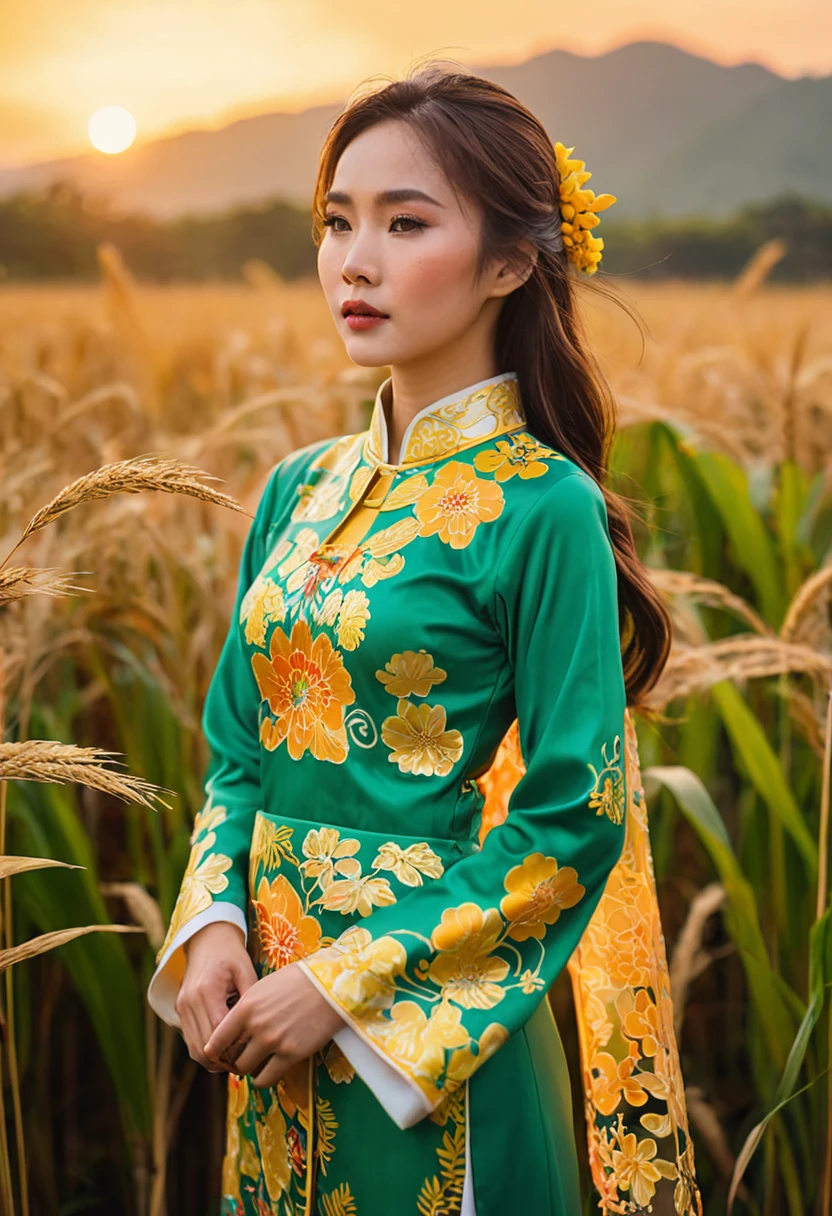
[195,66]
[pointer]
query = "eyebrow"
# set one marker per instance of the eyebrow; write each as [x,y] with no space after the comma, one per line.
[405,194]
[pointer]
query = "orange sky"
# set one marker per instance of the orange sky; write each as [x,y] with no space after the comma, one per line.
[202,62]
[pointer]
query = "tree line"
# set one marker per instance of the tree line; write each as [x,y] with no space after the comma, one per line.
[54,233]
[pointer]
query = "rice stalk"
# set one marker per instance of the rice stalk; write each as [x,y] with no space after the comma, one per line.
[694,669]
[147,472]
[759,266]
[708,592]
[142,907]
[16,582]
[46,760]
[58,937]
[808,606]
[20,865]
[689,959]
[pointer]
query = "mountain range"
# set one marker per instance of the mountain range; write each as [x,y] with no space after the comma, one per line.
[670,133]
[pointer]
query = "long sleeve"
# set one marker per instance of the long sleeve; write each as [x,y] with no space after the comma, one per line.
[214,885]
[431,986]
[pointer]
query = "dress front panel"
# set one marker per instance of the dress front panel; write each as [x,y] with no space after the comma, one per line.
[391,623]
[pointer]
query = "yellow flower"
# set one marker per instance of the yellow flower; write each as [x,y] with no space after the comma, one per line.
[520,454]
[409,864]
[358,972]
[416,1042]
[608,796]
[361,894]
[204,878]
[284,932]
[465,969]
[328,855]
[463,1062]
[262,603]
[456,504]
[578,209]
[537,891]
[419,740]
[337,1065]
[307,687]
[274,1151]
[635,1171]
[530,982]
[411,673]
[353,616]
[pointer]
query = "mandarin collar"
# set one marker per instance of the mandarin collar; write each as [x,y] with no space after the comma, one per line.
[459,420]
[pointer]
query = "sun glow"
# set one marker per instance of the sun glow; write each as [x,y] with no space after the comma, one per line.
[112,129]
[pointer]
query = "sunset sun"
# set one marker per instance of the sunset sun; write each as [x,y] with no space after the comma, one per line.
[112,129]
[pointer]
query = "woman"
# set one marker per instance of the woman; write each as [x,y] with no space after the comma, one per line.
[368,964]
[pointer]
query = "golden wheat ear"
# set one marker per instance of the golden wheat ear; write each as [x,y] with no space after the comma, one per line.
[46,760]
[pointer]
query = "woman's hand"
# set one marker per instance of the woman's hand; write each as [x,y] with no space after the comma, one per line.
[280,1020]
[219,970]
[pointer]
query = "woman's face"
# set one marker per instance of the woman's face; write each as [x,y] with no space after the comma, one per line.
[413,258]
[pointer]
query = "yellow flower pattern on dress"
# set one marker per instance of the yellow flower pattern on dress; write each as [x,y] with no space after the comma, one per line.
[607,797]
[327,856]
[205,873]
[456,503]
[537,892]
[516,454]
[353,615]
[465,968]
[262,604]
[411,674]
[409,864]
[307,688]
[419,741]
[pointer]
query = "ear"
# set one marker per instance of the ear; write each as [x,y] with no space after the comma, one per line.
[515,270]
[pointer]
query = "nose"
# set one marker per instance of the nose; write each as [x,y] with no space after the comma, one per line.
[360,261]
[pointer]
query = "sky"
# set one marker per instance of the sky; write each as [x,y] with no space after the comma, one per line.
[202,63]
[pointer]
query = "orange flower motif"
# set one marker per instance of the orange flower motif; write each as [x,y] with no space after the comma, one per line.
[307,687]
[641,1020]
[456,504]
[611,1080]
[521,454]
[411,673]
[284,931]
[636,1171]
[537,892]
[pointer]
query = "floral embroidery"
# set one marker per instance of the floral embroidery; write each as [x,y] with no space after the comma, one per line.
[274,1151]
[262,603]
[537,891]
[337,1065]
[339,1203]
[465,969]
[352,617]
[327,855]
[517,454]
[284,932]
[456,504]
[205,873]
[420,742]
[411,674]
[409,864]
[466,972]
[360,894]
[436,1197]
[307,688]
[608,796]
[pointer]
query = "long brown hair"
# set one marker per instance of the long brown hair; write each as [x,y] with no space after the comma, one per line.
[496,153]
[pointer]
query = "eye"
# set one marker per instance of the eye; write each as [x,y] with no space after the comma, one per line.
[408,219]
[330,220]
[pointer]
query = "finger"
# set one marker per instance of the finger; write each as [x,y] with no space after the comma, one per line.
[253,1056]
[273,1068]
[194,1038]
[225,1032]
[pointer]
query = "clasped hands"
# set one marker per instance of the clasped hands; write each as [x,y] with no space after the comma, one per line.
[276,1021]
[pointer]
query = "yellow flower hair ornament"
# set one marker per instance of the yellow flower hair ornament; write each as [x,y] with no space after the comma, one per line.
[578,209]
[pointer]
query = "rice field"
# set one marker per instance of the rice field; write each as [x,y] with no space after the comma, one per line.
[114,606]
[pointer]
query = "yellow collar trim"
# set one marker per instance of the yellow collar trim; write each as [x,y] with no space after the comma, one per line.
[468,416]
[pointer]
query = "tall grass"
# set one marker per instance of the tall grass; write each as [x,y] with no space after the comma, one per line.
[726,444]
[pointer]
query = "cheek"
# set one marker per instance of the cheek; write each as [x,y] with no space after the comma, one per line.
[438,279]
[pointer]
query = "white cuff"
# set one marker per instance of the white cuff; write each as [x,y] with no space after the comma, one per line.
[167,978]
[401,1098]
